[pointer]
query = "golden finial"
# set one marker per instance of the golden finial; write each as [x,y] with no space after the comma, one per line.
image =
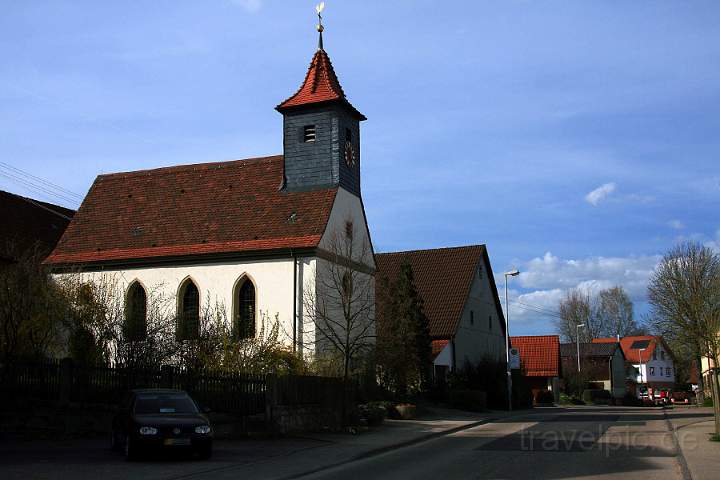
[319,9]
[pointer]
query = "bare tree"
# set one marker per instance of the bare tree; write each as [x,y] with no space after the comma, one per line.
[340,306]
[684,293]
[576,308]
[614,313]
[100,314]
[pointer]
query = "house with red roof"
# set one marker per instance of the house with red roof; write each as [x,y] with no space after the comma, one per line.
[460,302]
[255,236]
[540,362]
[650,357]
[29,224]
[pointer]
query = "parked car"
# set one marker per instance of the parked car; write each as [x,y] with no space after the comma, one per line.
[161,419]
[683,395]
[680,398]
[661,396]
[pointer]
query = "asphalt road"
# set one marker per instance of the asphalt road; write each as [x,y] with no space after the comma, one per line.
[610,443]
[587,443]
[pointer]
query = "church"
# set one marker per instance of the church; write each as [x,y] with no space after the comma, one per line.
[266,238]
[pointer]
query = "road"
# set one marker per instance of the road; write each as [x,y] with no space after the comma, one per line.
[604,444]
[587,443]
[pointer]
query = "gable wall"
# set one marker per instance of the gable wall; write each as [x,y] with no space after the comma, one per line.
[483,337]
[349,207]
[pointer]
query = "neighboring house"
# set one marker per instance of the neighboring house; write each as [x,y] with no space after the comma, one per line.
[28,223]
[256,235]
[603,365]
[540,362]
[706,365]
[460,300]
[650,357]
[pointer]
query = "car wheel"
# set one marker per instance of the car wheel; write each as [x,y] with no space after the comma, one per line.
[130,453]
[205,453]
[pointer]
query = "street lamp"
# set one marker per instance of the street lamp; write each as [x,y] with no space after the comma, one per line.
[577,339]
[511,273]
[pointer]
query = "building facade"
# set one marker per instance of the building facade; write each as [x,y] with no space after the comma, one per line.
[650,358]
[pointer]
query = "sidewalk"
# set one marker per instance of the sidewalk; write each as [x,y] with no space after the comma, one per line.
[692,427]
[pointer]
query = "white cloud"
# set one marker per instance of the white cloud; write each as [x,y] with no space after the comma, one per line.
[545,280]
[549,272]
[251,6]
[715,243]
[600,193]
[676,224]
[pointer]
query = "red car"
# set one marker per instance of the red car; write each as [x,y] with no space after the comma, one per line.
[680,398]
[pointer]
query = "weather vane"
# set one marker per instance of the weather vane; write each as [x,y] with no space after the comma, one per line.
[319,9]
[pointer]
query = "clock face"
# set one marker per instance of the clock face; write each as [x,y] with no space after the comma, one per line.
[349,154]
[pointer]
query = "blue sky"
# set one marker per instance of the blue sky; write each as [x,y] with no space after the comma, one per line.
[578,140]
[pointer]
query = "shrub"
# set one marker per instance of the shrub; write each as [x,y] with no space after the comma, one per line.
[597,397]
[631,400]
[545,397]
[521,391]
[466,399]
[708,402]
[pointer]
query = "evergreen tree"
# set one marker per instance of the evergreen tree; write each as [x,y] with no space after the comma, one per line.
[404,349]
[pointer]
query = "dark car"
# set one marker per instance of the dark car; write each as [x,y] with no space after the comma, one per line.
[161,419]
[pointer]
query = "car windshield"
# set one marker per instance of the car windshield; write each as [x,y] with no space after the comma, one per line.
[164,403]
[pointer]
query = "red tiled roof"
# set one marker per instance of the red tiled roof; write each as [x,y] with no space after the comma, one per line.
[321,85]
[210,208]
[443,278]
[438,346]
[27,223]
[539,355]
[633,355]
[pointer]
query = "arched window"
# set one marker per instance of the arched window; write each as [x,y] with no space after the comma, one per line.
[245,310]
[188,312]
[135,313]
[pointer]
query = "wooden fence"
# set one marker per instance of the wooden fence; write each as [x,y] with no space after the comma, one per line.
[63,381]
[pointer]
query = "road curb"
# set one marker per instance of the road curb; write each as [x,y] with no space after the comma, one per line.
[682,461]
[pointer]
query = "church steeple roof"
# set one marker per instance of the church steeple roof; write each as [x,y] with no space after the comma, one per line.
[321,85]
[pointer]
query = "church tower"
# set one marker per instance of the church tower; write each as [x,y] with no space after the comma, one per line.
[321,131]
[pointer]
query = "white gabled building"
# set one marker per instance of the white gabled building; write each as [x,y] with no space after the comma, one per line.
[251,235]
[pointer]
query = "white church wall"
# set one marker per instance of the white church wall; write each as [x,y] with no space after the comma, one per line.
[326,297]
[216,282]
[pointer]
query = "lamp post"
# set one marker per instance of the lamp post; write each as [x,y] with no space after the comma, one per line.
[577,340]
[511,273]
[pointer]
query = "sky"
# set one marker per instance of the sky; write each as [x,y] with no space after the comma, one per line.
[578,140]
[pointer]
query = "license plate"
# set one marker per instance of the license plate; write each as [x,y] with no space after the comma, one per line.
[177,441]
